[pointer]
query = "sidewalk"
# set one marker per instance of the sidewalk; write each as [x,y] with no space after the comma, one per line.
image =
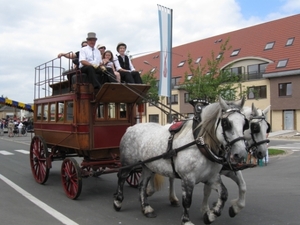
[285,134]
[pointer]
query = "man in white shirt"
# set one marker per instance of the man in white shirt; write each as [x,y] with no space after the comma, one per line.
[90,61]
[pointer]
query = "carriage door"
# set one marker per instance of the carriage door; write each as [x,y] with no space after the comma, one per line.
[288,120]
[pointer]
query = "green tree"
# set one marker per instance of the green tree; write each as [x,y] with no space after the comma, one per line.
[208,81]
[148,78]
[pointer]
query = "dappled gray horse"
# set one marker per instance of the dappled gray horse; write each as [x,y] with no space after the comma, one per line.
[222,125]
[256,136]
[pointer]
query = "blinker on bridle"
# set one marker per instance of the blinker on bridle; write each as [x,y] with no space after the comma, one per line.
[226,126]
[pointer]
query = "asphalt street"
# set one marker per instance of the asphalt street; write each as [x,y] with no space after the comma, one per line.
[273,194]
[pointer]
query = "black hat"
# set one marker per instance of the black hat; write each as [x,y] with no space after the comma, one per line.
[121,44]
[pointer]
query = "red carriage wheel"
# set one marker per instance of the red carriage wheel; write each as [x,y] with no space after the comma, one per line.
[38,159]
[71,178]
[133,178]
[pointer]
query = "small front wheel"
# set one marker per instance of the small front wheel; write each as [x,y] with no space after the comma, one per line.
[71,178]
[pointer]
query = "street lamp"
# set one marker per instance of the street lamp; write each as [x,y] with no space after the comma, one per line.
[153,67]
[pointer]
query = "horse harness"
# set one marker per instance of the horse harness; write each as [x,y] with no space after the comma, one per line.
[255,128]
[204,149]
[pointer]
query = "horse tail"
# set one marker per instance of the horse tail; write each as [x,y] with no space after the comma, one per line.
[158,181]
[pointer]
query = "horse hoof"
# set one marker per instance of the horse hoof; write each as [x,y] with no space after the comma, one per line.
[206,219]
[117,208]
[150,215]
[231,212]
[175,204]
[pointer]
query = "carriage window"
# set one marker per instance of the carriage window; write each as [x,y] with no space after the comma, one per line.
[39,112]
[100,111]
[45,112]
[69,111]
[52,111]
[60,111]
[111,110]
[123,110]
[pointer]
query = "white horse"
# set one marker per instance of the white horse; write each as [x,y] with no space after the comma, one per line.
[256,136]
[222,125]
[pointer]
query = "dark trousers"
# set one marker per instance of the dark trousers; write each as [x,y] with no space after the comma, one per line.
[97,77]
[131,77]
[108,76]
[93,75]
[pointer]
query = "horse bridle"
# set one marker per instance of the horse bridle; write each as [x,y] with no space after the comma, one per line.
[227,126]
[254,129]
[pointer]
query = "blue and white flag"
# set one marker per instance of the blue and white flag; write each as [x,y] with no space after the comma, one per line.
[165,16]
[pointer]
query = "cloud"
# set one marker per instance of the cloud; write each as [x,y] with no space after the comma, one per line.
[33,32]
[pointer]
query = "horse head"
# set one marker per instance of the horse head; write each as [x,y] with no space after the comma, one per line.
[258,130]
[230,129]
[222,127]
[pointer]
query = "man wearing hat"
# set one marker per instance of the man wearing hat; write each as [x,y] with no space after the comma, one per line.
[125,68]
[90,61]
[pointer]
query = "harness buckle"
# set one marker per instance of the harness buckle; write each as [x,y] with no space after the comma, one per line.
[200,141]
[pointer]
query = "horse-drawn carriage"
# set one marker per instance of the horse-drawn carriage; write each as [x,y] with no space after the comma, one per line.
[70,120]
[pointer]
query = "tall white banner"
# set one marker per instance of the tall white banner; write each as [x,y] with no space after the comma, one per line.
[165,16]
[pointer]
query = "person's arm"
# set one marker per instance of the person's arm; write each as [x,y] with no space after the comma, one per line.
[131,65]
[82,59]
[117,64]
[69,55]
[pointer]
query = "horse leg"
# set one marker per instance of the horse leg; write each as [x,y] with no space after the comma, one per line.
[118,196]
[172,195]
[210,215]
[239,203]
[146,175]
[187,192]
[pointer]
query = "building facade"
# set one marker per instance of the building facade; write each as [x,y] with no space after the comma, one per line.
[264,56]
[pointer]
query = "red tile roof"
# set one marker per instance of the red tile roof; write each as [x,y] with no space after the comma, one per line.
[251,41]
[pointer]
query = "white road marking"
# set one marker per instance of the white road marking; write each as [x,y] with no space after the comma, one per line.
[62,218]
[23,151]
[3,152]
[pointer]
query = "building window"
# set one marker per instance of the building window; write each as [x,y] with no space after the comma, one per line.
[186,97]
[198,60]
[236,71]
[189,77]
[220,55]
[181,64]
[235,52]
[289,42]
[174,100]
[256,71]
[282,63]
[175,81]
[154,118]
[285,89]
[269,45]
[257,92]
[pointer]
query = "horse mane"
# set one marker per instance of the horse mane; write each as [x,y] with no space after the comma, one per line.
[209,117]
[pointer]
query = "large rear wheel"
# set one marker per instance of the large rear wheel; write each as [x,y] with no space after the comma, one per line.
[71,178]
[38,159]
[133,178]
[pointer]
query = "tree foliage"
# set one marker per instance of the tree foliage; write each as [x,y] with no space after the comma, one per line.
[148,78]
[208,81]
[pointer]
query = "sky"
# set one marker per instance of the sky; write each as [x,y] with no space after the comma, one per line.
[33,32]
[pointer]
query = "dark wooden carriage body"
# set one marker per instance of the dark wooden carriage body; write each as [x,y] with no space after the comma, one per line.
[71,120]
